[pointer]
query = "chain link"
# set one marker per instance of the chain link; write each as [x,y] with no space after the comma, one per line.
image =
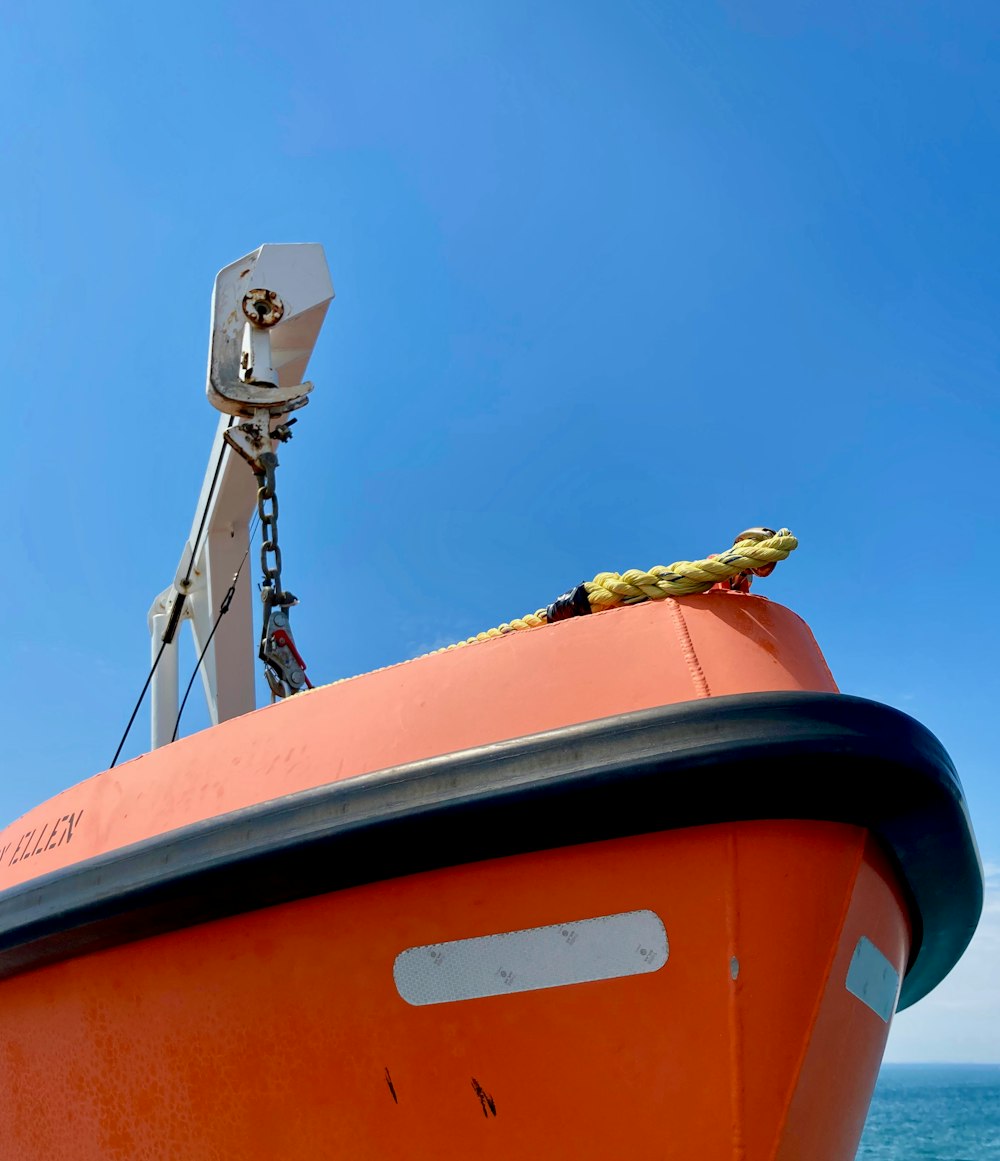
[283,664]
[270,553]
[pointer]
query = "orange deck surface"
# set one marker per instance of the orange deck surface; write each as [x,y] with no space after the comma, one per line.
[573,671]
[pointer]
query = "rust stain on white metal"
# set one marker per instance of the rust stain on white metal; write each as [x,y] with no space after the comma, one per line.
[263,307]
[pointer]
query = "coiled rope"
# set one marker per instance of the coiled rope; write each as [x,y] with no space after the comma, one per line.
[754,553]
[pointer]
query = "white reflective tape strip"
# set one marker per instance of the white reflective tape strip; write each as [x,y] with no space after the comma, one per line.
[604,948]
[873,979]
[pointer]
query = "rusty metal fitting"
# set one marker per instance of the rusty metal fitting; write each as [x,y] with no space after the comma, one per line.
[754,534]
[263,307]
[742,581]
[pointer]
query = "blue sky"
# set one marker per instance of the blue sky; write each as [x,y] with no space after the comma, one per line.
[613,282]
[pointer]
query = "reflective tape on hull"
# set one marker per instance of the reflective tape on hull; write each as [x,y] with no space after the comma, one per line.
[603,948]
[873,979]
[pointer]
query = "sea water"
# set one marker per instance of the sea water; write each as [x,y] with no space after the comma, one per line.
[944,1112]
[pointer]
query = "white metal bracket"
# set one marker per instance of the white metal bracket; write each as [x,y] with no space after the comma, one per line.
[267,311]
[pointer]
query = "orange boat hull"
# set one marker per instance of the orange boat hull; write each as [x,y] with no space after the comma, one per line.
[635,884]
[280,1033]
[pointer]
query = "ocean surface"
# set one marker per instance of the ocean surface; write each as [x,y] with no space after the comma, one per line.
[948,1112]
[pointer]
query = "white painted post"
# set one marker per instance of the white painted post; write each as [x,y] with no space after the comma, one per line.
[227,672]
[163,687]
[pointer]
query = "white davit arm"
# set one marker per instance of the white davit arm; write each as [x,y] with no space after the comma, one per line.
[267,311]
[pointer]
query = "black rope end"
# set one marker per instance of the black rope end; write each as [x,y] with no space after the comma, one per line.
[574,603]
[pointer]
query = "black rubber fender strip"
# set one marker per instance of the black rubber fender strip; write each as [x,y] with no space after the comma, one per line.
[791,755]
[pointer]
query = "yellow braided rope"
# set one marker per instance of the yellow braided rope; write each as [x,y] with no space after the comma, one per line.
[609,590]
[683,578]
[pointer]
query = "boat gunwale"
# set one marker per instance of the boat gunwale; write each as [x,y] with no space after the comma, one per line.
[791,755]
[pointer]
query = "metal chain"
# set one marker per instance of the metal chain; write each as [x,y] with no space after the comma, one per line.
[267,510]
[283,664]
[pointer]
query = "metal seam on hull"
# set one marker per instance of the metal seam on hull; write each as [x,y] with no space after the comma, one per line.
[698,678]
